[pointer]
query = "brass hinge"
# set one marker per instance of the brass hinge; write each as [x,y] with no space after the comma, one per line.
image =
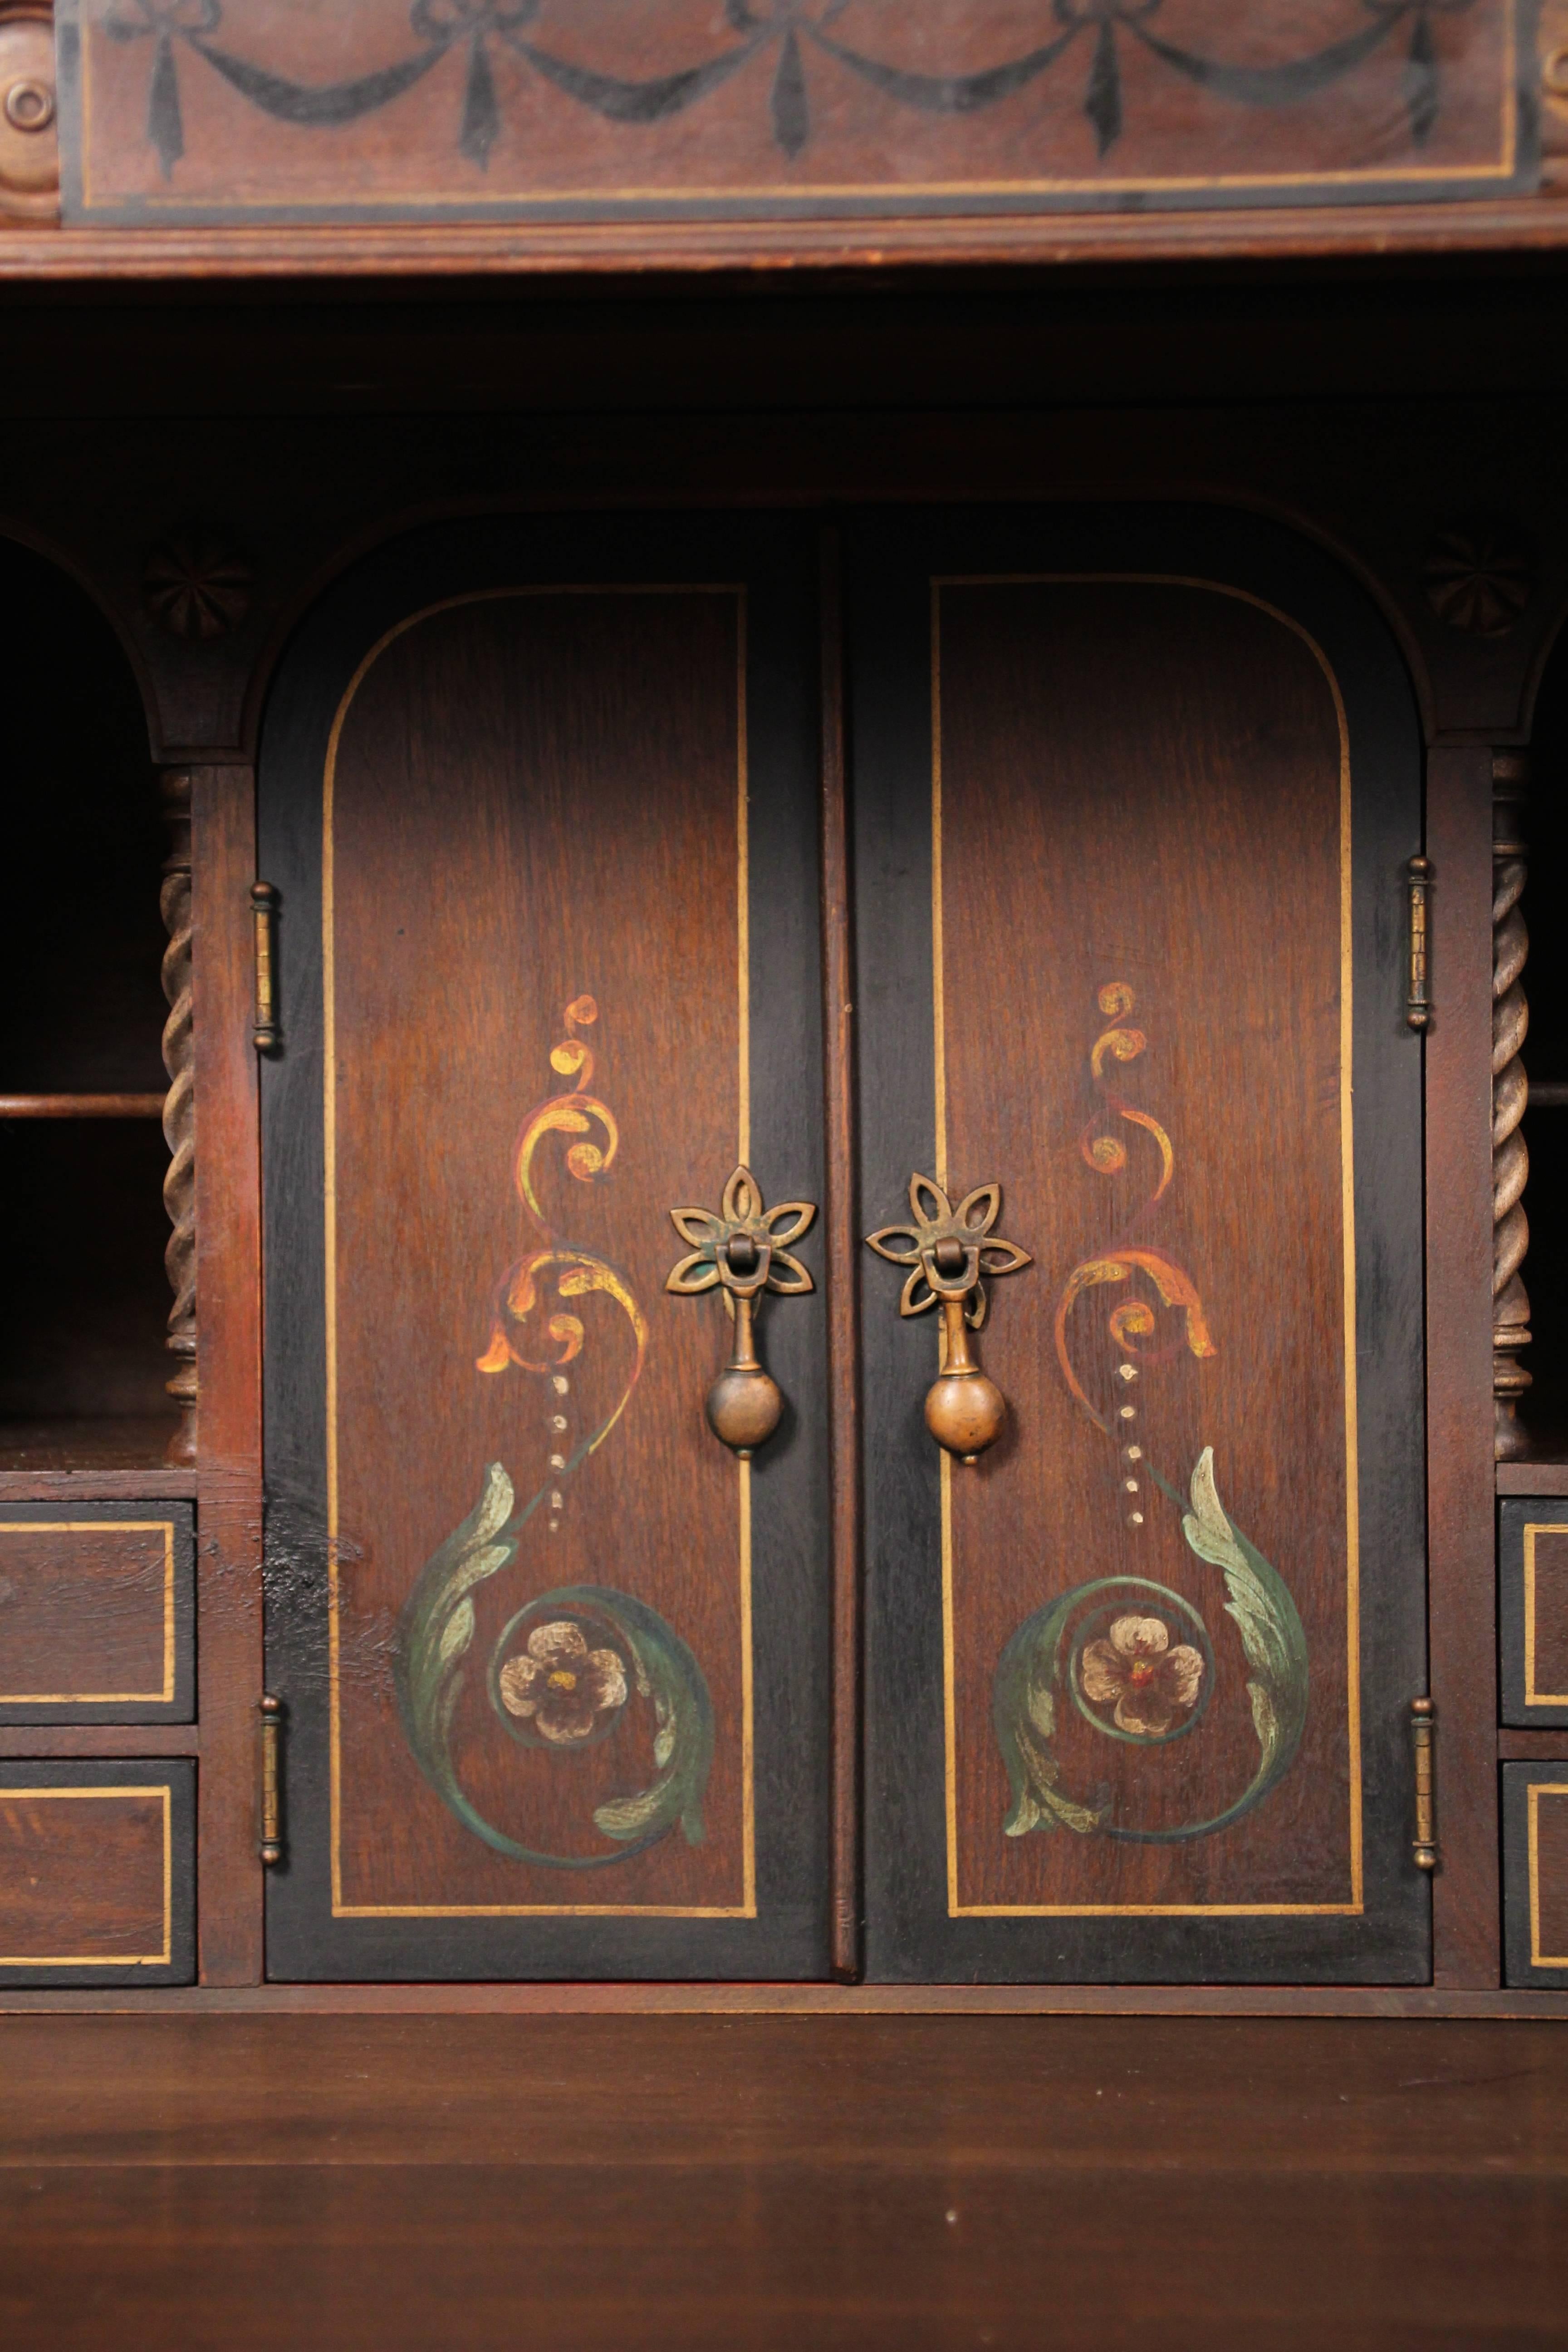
[1424,1846]
[272,1842]
[264,907]
[1418,1004]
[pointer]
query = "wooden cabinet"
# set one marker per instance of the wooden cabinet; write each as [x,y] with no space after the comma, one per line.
[681,815]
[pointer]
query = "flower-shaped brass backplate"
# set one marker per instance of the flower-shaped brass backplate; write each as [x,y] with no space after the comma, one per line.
[745,1246]
[948,1249]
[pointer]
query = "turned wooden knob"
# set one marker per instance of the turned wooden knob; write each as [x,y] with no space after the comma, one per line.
[744,1408]
[965,1413]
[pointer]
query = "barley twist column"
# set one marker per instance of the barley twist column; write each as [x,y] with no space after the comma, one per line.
[1510,1091]
[180,1112]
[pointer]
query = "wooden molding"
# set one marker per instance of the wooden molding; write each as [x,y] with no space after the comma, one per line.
[1515,224]
[800,2001]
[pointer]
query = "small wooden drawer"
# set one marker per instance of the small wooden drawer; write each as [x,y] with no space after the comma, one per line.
[1533,1603]
[97,1874]
[96,1607]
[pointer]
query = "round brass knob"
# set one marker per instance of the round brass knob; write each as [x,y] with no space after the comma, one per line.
[965,1413]
[744,1408]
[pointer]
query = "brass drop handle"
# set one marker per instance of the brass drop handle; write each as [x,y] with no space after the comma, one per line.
[744,1249]
[950,1252]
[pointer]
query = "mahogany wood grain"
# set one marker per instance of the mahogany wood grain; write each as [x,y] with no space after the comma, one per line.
[95,1879]
[80,1874]
[841,1244]
[1528,1478]
[399,253]
[1533,1609]
[91,1461]
[630,1999]
[598,747]
[1140,793]
[1533,1746]
[83,1613]
[544,789]
[1461,1572]
[1144,884]
[95,1613]
[1535,1876]
[857,2185]
[100,1739]
[228,1467]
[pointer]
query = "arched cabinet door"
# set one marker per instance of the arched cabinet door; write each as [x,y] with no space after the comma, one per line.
[1135,789]
[538,797]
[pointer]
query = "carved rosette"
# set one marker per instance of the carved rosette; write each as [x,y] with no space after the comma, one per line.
[180,1111]
[1510,1092]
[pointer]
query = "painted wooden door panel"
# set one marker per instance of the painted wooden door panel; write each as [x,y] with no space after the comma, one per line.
[1135,796]
[538,799]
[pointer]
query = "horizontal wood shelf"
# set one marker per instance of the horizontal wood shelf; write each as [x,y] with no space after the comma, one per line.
[81,1106]
[107,1461]
[799,2001]
[1532,1478]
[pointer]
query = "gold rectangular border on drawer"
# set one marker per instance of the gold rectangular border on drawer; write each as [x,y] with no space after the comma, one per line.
[1533,1697]
[163,1794]
[1535,1874]
[1522,1587]
[1539,1789]
[168,1914]
[167,1678]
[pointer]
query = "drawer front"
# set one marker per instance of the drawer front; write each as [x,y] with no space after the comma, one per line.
[96,1611]
[97,1874]
[1535,1874]
[1532,1602]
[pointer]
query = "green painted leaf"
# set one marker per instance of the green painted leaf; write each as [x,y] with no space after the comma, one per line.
[457,1634]
[1030,1674]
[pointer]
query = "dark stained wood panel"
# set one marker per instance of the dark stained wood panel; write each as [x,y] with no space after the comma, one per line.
[542,1646]
[601,109]
[95,1872]
[1532,1611]
[228,1284]
[777,2181]
[1161,1594]
[1169,1113]
[95,1613]
[1535,1874]
[1461,1512]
